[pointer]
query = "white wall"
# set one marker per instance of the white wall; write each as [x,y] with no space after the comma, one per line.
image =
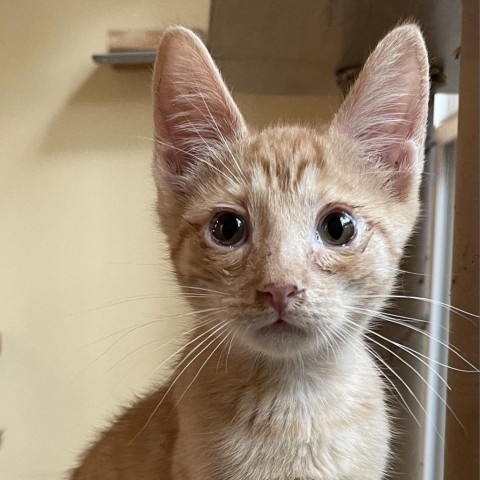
[77,224]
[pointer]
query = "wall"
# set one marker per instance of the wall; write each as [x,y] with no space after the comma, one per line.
[81,255]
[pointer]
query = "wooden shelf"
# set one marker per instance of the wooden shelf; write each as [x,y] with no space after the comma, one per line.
[125,58]
[132,48]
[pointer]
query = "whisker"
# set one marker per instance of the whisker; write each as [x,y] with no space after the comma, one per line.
[135,264]
[139,298]
[132,329]
[176,352]
[203,289]
[106,337]
[230,348]
[382,316]
[183,334]
[410,352]
[392,383]
[421,378]
[404,383]
[119,302]
[155,410]
[191,313]
[456,310]
[254,363]
[183,347]
[161,319]
[200,369]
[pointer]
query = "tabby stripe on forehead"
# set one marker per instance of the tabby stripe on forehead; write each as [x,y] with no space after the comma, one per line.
[283,177]
[266,167]
[301,168]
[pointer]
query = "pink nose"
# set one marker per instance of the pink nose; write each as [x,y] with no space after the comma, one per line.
[280,297]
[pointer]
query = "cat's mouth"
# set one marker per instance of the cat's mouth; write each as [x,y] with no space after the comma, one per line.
[281,327]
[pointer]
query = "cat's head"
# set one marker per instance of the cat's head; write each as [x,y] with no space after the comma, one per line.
[287,239]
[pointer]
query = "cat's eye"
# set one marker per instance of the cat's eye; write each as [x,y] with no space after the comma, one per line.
[228,229]
[337,228]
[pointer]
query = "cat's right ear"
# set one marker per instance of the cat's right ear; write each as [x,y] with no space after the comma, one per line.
[194,113]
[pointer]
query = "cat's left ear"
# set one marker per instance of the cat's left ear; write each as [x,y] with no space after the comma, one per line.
[386,110]
[194,113]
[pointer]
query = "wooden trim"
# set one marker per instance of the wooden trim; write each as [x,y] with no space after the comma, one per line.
[462,448]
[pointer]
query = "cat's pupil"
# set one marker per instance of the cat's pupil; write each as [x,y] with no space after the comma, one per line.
[228,229]
[337,228]
[230,226]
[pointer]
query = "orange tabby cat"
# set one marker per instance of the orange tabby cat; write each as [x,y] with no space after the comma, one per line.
[283,238]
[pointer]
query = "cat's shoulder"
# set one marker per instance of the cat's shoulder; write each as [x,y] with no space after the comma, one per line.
[138,444]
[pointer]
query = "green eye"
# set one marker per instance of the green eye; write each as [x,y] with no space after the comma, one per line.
[228,229]
[337,228]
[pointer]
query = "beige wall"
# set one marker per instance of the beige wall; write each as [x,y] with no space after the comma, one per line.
[77,225]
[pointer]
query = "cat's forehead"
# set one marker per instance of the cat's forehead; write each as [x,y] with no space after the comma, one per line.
[296,160]
[279,169]
[284,151]
[283,159]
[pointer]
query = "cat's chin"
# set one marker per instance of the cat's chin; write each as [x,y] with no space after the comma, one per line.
[281,328]
[281,339]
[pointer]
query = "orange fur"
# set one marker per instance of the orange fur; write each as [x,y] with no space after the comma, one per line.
[258,392]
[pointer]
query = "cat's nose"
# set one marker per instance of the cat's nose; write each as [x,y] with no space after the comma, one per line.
[280,297]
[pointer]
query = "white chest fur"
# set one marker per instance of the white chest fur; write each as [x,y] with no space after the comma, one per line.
[293,429]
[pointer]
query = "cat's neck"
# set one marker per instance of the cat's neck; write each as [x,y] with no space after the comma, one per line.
[235,400]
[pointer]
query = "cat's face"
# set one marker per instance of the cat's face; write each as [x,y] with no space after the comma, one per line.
[291,236]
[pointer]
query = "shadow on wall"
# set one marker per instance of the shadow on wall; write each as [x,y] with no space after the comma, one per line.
[110,111]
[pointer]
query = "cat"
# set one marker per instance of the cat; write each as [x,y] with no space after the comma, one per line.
[285,241]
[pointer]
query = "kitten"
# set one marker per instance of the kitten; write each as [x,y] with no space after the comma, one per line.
[284,238]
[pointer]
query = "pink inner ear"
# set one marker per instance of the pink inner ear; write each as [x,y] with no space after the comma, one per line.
[402,162]
[194,113]
[386,109]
